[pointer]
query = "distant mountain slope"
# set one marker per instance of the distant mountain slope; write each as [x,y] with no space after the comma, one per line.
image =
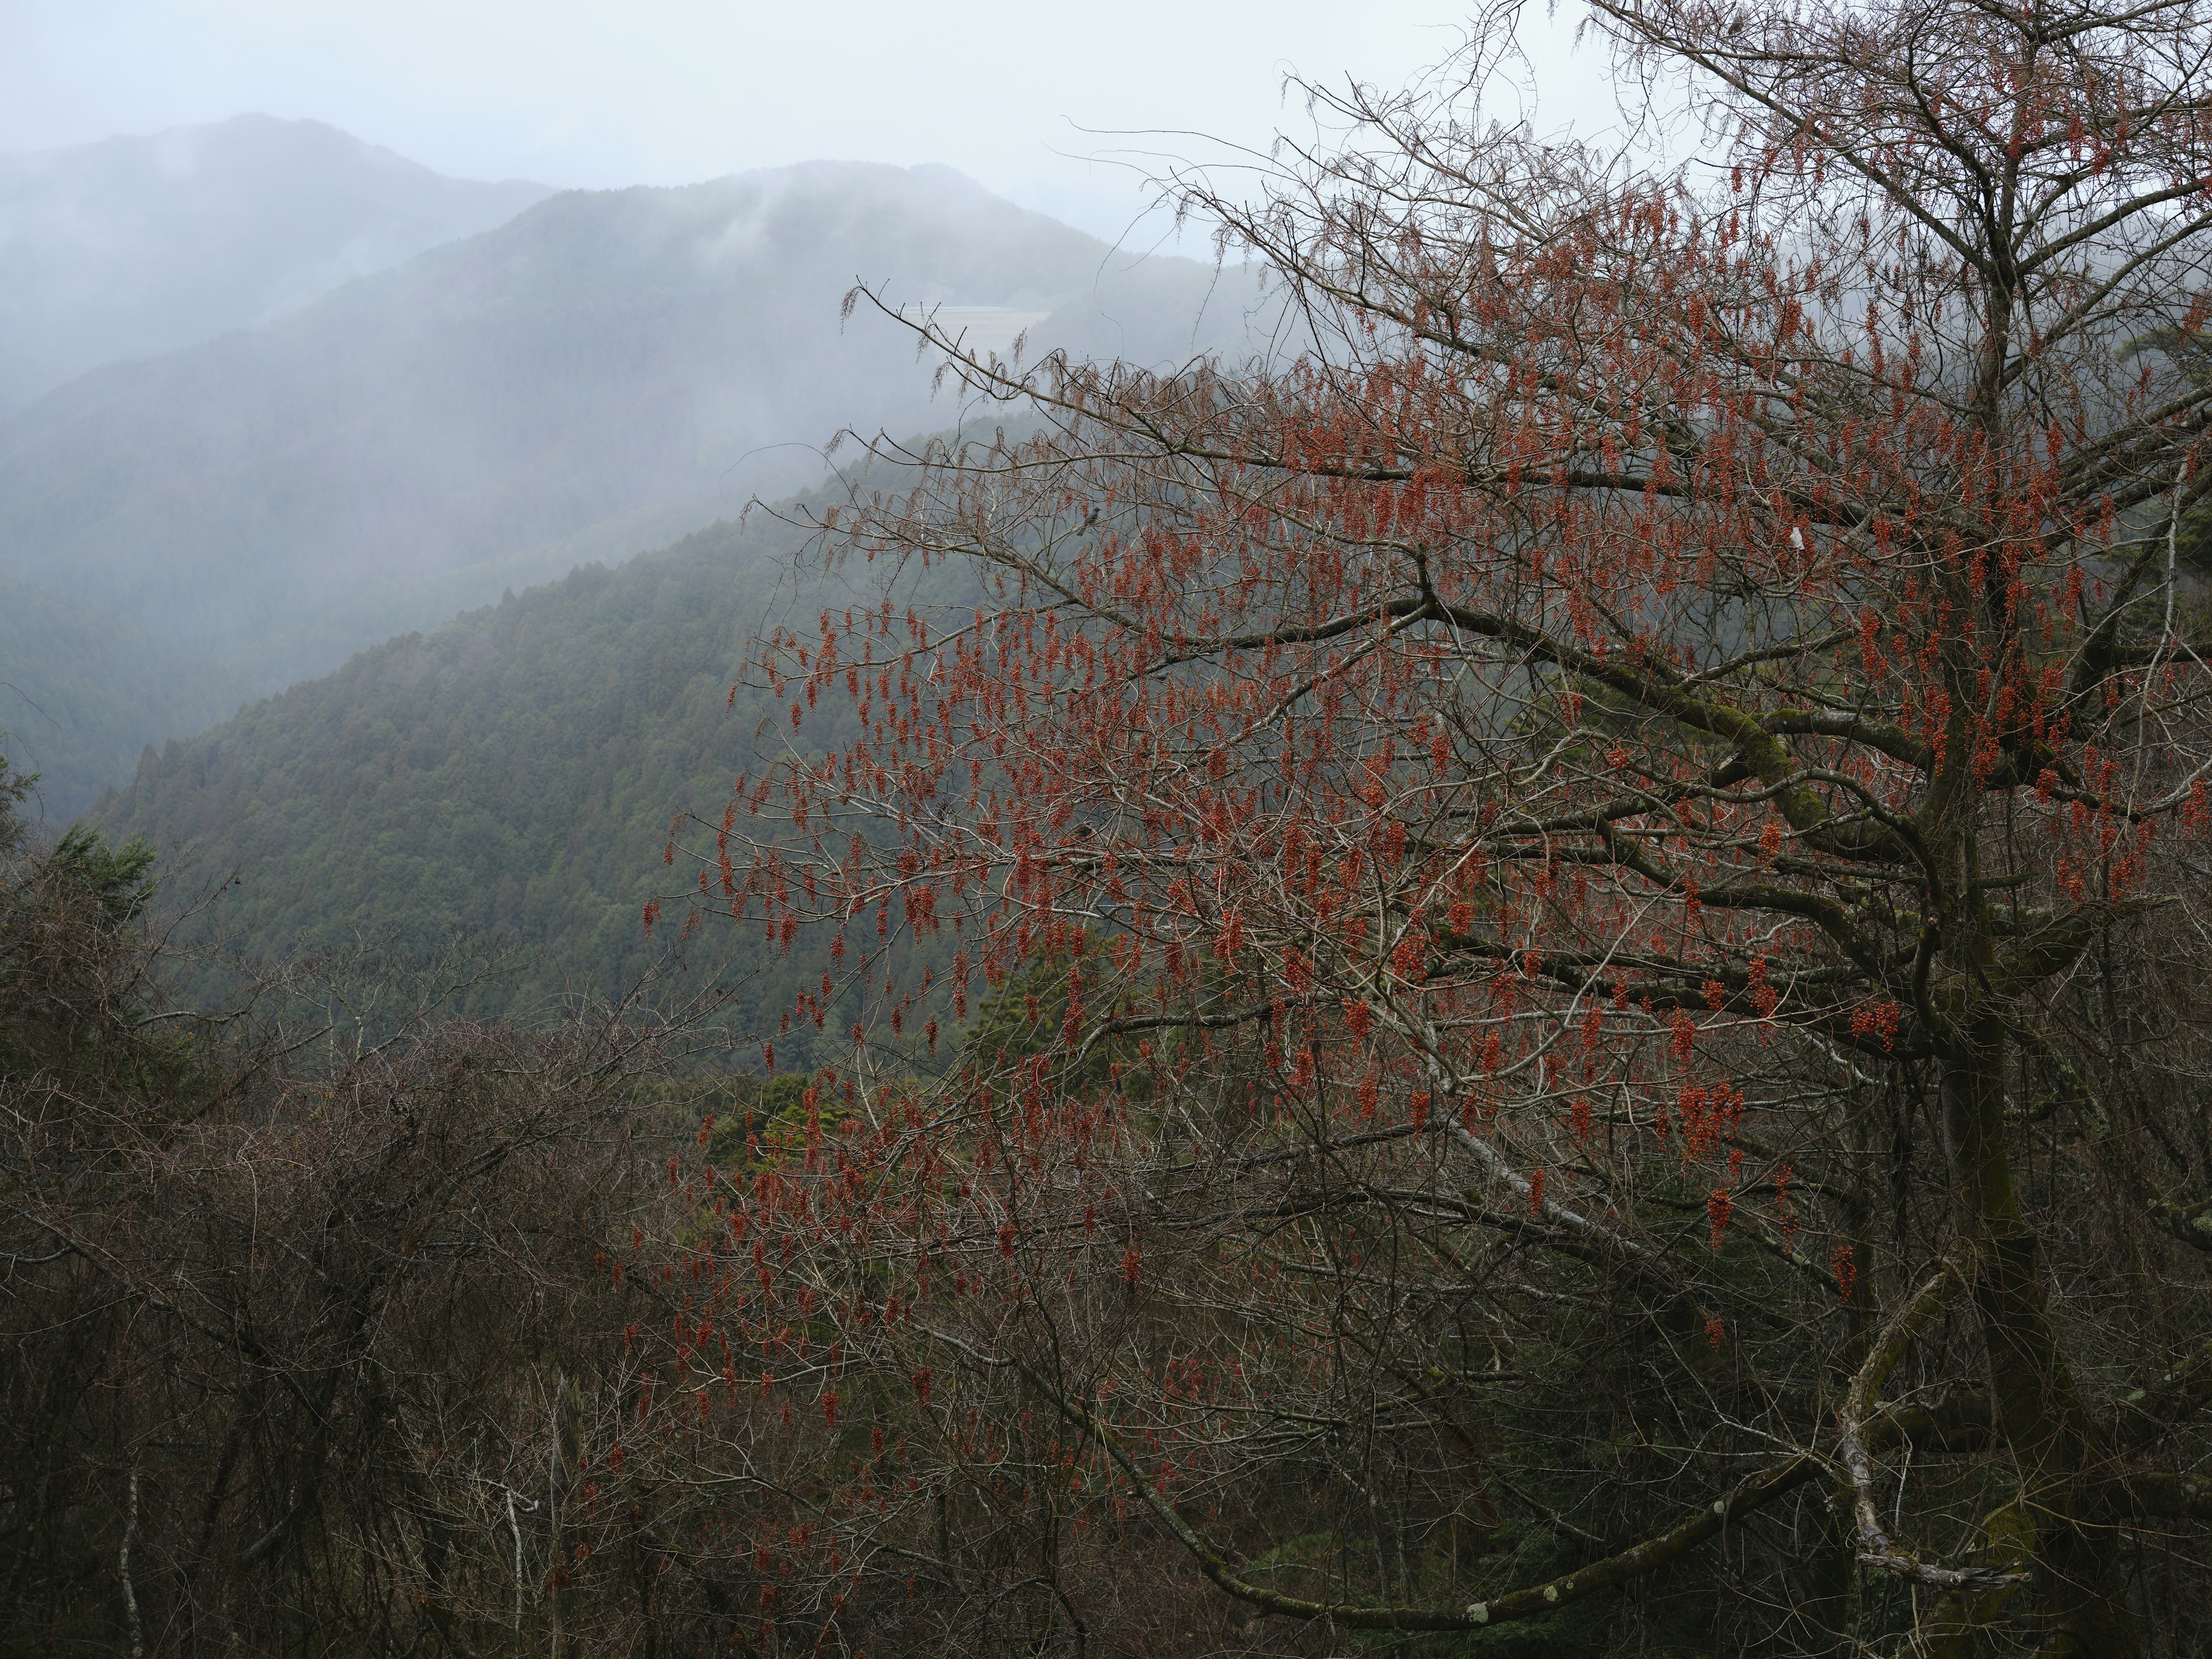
[510,775]
[600,373]
[134,247]
[81,694]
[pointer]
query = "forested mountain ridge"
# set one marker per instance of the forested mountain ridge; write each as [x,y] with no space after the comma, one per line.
[507,778]
[137,246]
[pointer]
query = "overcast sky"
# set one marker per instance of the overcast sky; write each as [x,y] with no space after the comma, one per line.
[1043,103]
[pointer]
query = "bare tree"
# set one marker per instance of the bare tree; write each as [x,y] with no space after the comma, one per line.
[1617,851]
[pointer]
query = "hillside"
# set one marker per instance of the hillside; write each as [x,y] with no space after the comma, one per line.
[137,245]
[508,777]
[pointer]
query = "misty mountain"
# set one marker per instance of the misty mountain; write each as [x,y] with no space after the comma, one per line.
[135,246]
[82,695]
[601,373]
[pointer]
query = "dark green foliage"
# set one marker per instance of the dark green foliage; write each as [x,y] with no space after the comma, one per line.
[114,881]
[72,969]
[756,1110]
[510,777]
[1022,1015]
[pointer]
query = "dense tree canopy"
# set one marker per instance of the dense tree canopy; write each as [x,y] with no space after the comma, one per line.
[506,780]
[1618,853]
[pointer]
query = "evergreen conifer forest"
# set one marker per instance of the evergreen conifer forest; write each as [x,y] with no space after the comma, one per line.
[1527,978]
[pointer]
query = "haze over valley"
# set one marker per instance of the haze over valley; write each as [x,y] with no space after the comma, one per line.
[298,433]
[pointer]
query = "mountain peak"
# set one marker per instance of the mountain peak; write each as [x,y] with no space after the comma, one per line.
[950,177]
[142,244]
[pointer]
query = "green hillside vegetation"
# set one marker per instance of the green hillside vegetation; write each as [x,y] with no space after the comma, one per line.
[505,782]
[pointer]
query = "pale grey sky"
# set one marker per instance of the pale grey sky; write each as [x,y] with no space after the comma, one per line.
[1027,97]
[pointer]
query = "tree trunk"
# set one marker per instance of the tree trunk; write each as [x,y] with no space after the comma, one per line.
[2039,1411]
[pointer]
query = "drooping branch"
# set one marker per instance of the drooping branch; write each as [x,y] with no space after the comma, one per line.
[1876,1548]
